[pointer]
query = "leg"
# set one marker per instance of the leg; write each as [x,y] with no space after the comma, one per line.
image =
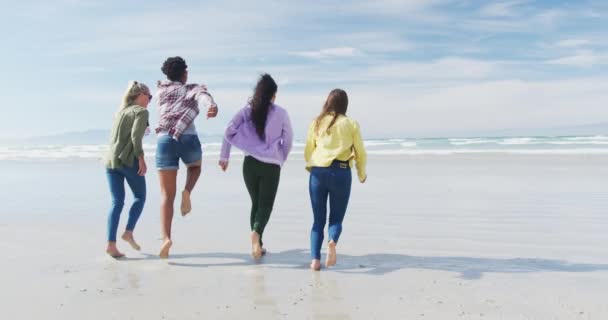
[269,184]
[168,180]
[194,172]
[318,199]
[191,152]
[252,182]
[137,184]
[117,190]
[167,162]
[192,175]
[339,194]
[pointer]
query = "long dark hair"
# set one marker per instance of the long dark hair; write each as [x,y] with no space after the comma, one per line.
[336,103]
[264,90]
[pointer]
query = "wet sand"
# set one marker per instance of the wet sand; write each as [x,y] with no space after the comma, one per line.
[427,237]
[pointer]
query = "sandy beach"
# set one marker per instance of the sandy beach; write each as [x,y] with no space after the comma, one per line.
[477,236]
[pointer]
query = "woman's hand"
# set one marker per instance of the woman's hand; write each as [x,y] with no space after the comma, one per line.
[212,111]
[223,164]
[142,166]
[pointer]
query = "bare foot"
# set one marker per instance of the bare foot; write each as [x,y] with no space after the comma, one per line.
[128,237]
[256,248]
[186,206]
[315,265]
[331,254]
[164,249]
[113,252]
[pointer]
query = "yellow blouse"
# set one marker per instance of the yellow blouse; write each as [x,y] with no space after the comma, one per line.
[343,143]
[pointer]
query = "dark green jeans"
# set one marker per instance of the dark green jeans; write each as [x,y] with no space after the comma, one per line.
[262,181]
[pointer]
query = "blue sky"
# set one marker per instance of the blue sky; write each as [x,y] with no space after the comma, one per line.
[411,67]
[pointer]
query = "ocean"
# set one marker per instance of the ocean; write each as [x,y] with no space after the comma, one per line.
[540,145]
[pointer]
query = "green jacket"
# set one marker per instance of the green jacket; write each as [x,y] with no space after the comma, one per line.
[126,138]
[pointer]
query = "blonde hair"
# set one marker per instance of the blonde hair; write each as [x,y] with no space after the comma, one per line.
[134,89]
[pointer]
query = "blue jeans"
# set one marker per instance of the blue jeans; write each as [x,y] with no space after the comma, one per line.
[137,183]
[333,182]
[169,151]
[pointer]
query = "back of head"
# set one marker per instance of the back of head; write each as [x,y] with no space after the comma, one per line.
[134,89]
[336,104]
[174,68]
[264,91]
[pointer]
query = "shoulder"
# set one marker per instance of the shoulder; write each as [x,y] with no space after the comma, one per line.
[245,111]
[198,88]
[349,122]
[280,110]
[140,111]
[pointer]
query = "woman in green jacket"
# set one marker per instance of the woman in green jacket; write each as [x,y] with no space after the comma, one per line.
[125,161]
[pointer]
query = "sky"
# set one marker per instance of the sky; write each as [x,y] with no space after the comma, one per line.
[410,67]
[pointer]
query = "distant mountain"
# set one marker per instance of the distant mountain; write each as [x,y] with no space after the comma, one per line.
[89,137]
[96,137]
[68,138]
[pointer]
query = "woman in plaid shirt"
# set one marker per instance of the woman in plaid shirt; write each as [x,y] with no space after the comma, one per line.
[177,139]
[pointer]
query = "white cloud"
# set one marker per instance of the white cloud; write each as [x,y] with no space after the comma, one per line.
[550,18]
[442,69]
[452,69]
[375,42]
[342,52]
[501,9]
[583,58]
[573,43]
[480,106]
[392,7]
[529,22]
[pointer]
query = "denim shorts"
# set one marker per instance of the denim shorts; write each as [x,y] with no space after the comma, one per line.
[169,151]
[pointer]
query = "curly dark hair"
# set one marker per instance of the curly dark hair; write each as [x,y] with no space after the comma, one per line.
[174,68]
[264,90]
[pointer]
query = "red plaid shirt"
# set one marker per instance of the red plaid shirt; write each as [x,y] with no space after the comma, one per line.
[178,106]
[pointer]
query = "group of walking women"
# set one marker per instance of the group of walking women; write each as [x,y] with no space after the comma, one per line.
[261,129]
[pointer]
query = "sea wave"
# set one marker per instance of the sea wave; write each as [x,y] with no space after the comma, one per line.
[491,151]
[469,141]
[378,143]
[592,138]
[597,144]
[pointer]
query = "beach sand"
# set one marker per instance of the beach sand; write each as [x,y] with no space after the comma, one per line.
[478,236]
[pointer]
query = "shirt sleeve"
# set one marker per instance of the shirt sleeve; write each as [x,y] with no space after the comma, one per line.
[230,132]
[137,132]
[310,143]
[360,153]
[205,100]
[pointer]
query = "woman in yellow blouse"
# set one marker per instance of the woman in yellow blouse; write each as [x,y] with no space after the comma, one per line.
[334,143]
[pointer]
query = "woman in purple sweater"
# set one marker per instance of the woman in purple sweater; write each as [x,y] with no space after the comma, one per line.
[262,130]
